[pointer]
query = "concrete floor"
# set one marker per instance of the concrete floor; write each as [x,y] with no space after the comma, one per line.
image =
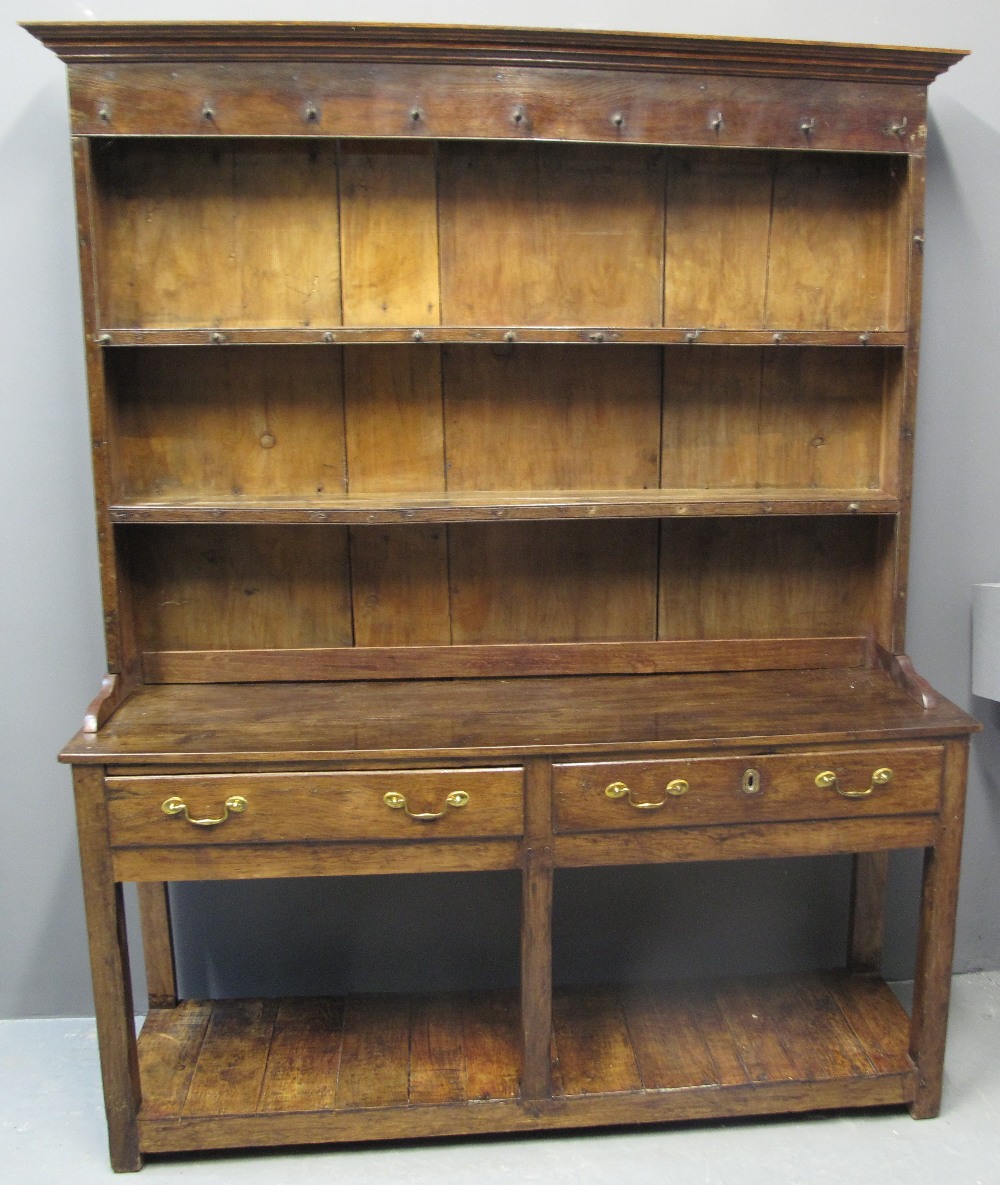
[52,1131]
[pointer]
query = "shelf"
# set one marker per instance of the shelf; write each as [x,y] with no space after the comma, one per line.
[487,506]
[498,335]
[304,1071]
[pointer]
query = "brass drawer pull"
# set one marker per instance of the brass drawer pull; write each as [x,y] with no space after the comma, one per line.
[397,802]
[828,778]
[674,790]
[235,803]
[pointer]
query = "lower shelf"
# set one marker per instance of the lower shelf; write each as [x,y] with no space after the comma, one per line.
[265,1072]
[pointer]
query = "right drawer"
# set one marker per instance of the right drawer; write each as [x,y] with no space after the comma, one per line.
[677,792]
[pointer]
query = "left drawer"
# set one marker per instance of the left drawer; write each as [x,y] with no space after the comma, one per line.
[414,805]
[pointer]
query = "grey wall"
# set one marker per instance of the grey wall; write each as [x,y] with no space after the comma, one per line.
[307,936]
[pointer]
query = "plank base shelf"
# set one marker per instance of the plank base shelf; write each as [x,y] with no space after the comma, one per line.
[220,1075]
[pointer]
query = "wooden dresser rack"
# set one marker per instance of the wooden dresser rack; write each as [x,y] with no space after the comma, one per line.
[503,449]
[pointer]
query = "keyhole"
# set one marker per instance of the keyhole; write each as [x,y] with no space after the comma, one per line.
[751,782]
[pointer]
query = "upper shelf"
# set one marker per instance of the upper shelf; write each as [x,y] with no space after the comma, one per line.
[380,241]
[498,335]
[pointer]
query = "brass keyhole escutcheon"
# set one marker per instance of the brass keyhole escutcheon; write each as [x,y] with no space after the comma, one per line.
[752,783]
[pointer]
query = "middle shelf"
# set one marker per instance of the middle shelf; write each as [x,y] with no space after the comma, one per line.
[433,433]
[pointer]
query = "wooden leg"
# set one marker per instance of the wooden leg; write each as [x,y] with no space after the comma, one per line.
[110,971]
[867,927]
[536,938]
[157,945]
[936,943]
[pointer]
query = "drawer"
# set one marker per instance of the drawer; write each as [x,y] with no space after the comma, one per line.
[826,784]
[420,805]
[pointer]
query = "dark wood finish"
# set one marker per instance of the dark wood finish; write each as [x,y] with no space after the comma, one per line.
[115,690]
[591,335]
[515,505]
[662,1052]
[714,789]
[102,899]
[485,418]
[345,858]
[497,660]
[291,807]
[536,933]
[869,882]
[473,719]
[936,944]
[300,41]
[157,944]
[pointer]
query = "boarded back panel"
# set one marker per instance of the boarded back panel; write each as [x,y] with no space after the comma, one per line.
[773,419]
[767,578]
[552,417]
[711,417]
[259,421]
[388,212]
[718,220]
[821,419]
[394,422]
[239,587]
[544,234]
[242,236]
[553,582]
[831,255]
[400,585]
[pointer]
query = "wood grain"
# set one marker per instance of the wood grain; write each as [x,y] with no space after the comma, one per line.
[592,1044]
[232,1060]
[535,234]
[244,586]
[394,420]
[492,1033]
[302,806]
[109,967]
[841,279]
[550,582]
[399,586]
[242,234]
[291,724]
[936,940]
[239,422]
[735,578]
[157,945]
[786,788]
[552,418]
[374,1067]
[388,233]
[718,227]
[437,1049]
[169,1048]
[303,1060]
[670,1049]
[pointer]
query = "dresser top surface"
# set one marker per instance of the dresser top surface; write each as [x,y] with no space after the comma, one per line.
[473,719]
